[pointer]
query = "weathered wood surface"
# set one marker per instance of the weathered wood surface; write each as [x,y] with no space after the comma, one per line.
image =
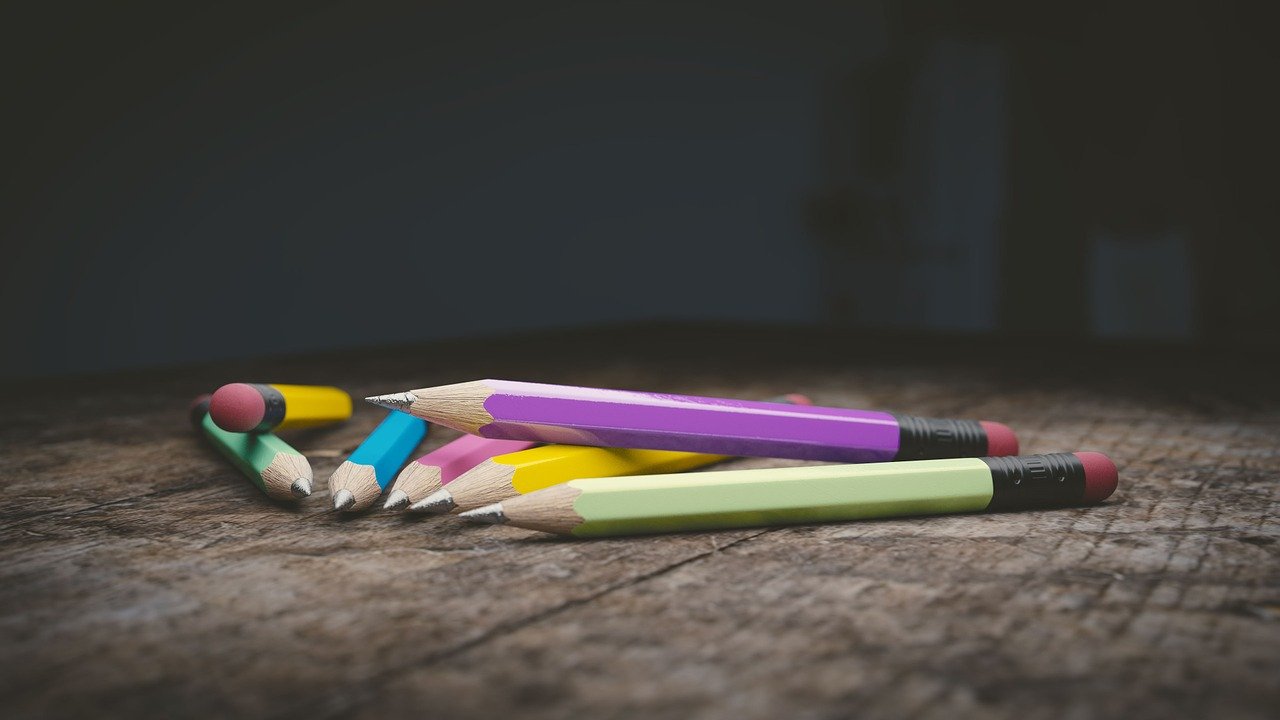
[141,577]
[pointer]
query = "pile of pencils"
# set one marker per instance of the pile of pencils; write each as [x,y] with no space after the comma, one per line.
[588,462]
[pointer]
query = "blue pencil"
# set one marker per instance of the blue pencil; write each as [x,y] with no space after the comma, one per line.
[362,478]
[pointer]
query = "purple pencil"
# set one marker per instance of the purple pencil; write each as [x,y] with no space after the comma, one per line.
[570,415]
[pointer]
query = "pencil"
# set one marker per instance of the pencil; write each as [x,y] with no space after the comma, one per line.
[602,507]
[430,472]
[360,479]
[651,421]
[258,407]
[524,472]
[269,462]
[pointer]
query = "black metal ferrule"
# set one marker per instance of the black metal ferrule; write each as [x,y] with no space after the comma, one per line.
[273,414]
[198,411]
[935,438]
[1035,481]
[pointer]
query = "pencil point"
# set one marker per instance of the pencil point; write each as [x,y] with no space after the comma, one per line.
[301,488]
[437,503]
[343,500]
[395,401]
[487,515]
[397,500]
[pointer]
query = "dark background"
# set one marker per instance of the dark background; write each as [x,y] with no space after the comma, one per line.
[186,182]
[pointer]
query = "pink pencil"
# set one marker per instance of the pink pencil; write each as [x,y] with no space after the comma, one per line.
[432,471]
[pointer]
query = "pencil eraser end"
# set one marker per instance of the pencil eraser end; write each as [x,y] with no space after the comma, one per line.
[237,407]
[798,399]
[1100,476]
[1000,439]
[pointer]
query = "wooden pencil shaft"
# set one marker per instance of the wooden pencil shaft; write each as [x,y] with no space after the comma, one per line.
[550,510]
[618,418]
[417,481]
[359,480]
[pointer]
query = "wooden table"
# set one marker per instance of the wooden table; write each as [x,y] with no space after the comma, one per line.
[140,576]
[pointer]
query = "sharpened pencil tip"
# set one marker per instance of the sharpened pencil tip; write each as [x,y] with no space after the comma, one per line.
[437,503]
[301,488]
[395,401]
[487,515]
[396,500]
[343,500]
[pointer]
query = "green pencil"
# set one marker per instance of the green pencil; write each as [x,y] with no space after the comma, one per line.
[600,507]
[269,462]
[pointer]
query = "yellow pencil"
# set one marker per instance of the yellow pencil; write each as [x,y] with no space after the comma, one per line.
[257,407]
[523,472]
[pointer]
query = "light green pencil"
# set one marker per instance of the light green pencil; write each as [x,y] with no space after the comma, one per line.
[600,507]
[269,462]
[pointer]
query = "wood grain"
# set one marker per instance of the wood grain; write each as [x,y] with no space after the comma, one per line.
[140,576]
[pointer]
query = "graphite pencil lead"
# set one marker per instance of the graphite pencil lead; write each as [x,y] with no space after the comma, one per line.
[487,515]
[395,401]
[343,499]
[301,488]
[437,503]
[396,500]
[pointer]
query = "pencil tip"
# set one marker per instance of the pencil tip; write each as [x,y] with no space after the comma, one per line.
[397,500]
[395,401]
[301,488]
[343,500]
[437,503]
[487,515]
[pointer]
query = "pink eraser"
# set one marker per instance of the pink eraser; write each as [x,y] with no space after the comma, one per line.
[1100,477]
[237,407]
[1000,439]
[798,399]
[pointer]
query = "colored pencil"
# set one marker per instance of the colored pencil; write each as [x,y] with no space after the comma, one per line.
[602,507]
[430,472]
[269,462]
[618,418]
[257,407]
[366,473]
[524,472]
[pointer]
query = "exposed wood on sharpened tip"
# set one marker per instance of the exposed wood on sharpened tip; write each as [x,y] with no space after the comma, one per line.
[417,480]
[488,482]
[278,477]
[549,510]
[359,480]
[142,576]
[459,406]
